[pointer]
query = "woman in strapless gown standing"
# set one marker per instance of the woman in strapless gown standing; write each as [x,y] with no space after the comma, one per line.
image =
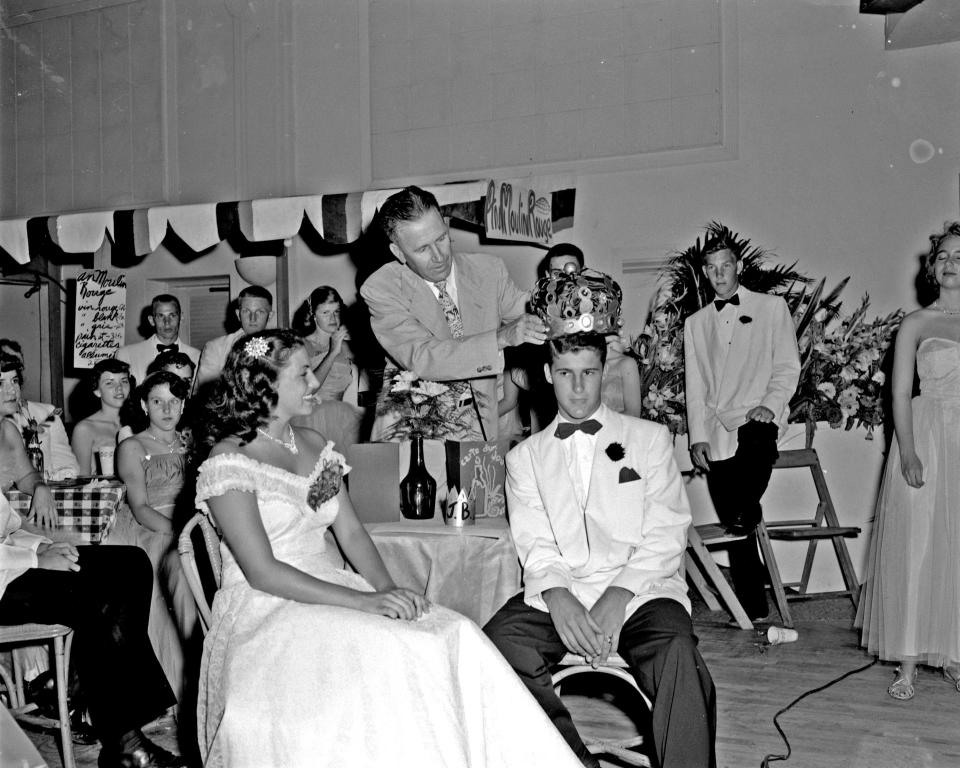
[319,320]
[306,663]
[152,465]
[910,604]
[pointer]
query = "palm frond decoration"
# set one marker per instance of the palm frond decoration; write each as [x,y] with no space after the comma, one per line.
[689,288]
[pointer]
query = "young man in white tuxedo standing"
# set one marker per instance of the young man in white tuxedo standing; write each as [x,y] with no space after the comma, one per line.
[741,368]
[599,515]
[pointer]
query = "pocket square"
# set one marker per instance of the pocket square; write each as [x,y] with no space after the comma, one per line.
[628,475]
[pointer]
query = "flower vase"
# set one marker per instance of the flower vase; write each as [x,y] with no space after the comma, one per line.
[418,490]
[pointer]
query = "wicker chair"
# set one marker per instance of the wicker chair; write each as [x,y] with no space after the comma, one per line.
[570,665]
[187,557]
[34,634]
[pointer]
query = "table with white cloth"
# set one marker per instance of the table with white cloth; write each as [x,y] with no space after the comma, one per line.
[473,570]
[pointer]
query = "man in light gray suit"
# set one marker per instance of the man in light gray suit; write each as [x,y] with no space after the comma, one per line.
[254,310]
[741,366]
[445,316]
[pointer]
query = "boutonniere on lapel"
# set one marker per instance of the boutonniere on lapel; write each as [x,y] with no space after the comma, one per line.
[615,452]
[745,319]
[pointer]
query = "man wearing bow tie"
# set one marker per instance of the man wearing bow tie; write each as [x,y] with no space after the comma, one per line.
[165,320]
[741,369]
[599,515]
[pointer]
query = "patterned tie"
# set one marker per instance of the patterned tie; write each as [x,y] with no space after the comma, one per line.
[567,428]
[450,310]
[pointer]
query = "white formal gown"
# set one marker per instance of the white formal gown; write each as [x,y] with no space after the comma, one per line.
[288,684]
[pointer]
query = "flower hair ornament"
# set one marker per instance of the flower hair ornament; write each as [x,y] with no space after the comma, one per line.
[575,303]
[256,348]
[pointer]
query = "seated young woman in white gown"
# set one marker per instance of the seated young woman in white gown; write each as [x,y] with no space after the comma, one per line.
[308,664]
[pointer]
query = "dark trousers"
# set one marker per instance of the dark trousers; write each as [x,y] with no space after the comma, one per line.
[657,642]
[107,603]
[736,486]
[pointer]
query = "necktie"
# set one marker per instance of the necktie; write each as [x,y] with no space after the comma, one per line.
[167,348]
[450,310]
[721,303]
[567,428]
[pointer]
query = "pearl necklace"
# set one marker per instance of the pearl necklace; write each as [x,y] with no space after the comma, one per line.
[290,444]
[937,306]
[176,440]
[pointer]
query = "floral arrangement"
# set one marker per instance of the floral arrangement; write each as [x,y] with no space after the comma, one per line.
[841,380]
[328,480]
[659,353]
[432,408]
[829,344]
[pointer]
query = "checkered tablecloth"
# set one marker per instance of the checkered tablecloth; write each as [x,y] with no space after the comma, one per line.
[86,512]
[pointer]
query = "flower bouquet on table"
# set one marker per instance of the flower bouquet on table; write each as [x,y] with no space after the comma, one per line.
[841,378]
[436,410]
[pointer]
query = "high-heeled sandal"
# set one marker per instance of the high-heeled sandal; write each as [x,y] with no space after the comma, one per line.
[952,676]
[902,686]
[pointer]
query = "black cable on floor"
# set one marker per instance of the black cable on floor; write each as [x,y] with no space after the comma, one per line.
[772,758]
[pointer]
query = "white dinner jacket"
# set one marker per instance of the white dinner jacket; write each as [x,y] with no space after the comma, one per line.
[760,366]
[139,356]
[629,534]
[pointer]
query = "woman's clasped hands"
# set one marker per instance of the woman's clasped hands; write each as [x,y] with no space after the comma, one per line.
[396,603]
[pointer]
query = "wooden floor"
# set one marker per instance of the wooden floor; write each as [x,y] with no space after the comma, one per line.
[853,724]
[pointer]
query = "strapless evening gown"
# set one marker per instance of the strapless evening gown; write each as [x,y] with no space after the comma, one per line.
[910,603]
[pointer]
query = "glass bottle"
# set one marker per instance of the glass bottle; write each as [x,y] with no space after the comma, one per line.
[31,439]
[418,490]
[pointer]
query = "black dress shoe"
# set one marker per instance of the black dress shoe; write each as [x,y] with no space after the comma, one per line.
[145,755]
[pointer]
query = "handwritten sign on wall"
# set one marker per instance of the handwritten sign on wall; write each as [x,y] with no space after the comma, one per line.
[515,212]
[100,316]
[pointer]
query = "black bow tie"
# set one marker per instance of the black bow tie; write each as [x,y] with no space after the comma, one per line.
[168,348]
[567,428]
[721,303]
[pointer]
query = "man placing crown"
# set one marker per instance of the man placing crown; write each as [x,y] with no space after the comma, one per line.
[599,515]
[445,315]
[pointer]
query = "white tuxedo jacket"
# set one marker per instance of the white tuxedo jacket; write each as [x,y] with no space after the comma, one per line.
[629,534]
[139,356]
[760,366]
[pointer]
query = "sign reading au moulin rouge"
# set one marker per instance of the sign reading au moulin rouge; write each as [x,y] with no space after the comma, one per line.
[100,316]
[515,212]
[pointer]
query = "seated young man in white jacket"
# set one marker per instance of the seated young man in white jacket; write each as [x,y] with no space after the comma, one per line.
[599,515]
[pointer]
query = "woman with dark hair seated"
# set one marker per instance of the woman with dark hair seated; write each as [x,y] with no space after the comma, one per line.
[319,321]
[110,382]
[152,464]
[307,663]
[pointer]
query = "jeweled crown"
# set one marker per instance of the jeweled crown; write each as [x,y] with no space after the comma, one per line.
[574,302]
